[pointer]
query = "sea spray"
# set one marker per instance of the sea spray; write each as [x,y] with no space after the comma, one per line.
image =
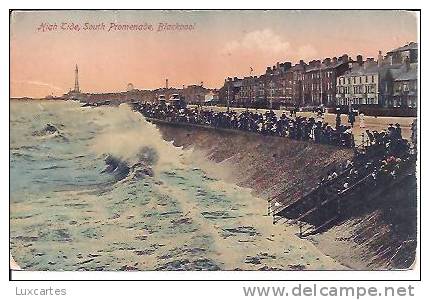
[127,135]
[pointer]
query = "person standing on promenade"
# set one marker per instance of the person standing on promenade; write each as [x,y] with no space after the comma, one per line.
[414,134]
[398,132]
[338,120]
[362,124]
[351,117]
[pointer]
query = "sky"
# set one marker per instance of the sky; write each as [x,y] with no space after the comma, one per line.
[210,45]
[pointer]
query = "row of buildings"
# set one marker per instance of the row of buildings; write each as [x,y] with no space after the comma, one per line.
[192,94]
[389,81]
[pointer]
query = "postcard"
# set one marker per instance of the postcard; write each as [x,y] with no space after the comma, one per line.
[214,140]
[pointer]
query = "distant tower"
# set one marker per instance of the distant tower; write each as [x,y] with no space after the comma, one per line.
[130,87]
[167,83]
[76,80]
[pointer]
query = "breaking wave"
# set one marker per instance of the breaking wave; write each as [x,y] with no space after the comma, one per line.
[50,131]
[128,137]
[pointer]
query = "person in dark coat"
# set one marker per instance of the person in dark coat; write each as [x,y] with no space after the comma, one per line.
[351,118]
[338,120]
[398,132]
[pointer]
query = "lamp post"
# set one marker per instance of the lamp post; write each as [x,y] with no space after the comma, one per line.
[303,91]
[228,98]
[321,88]
[271,94]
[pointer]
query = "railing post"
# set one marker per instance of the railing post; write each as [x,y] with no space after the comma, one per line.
[300,229]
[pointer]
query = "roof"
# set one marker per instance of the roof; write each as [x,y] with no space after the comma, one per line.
[323,66]
[404,75]
[373,69]
[410,46]
[363,71]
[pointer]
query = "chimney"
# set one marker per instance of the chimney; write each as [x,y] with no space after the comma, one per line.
[370,61]
[359,59]
[201,83]
[327,61]
[407,63]
[344,58]
[380,58]
[301,62]
[167,83]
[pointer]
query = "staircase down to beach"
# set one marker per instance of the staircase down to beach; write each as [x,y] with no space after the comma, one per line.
[332,201]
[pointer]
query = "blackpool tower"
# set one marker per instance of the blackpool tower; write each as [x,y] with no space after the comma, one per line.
[76,80]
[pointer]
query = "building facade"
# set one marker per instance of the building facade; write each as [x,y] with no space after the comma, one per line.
[360,85]
[333,81]
[405,87]
[194,94]
[248,91]
[391,81]
[320,79]
[229,92]
[399,55]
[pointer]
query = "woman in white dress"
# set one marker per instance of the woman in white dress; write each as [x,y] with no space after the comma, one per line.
[362,125]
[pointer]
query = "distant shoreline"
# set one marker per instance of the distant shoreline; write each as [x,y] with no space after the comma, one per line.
[34,99]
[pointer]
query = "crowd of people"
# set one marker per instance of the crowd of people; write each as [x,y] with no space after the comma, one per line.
[268,123]
[388,142]
[377,163]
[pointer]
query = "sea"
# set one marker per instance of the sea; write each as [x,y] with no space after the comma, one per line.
[100,189]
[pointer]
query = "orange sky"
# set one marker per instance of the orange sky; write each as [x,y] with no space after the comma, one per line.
[221,44]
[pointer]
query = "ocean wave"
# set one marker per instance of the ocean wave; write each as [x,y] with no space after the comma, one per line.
[53,167]
[51,131]
[133,170]
[116,166]
[126,135]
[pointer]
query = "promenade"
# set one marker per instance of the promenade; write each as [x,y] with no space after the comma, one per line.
[371,123]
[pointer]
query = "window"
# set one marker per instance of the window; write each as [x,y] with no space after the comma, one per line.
[373,78]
